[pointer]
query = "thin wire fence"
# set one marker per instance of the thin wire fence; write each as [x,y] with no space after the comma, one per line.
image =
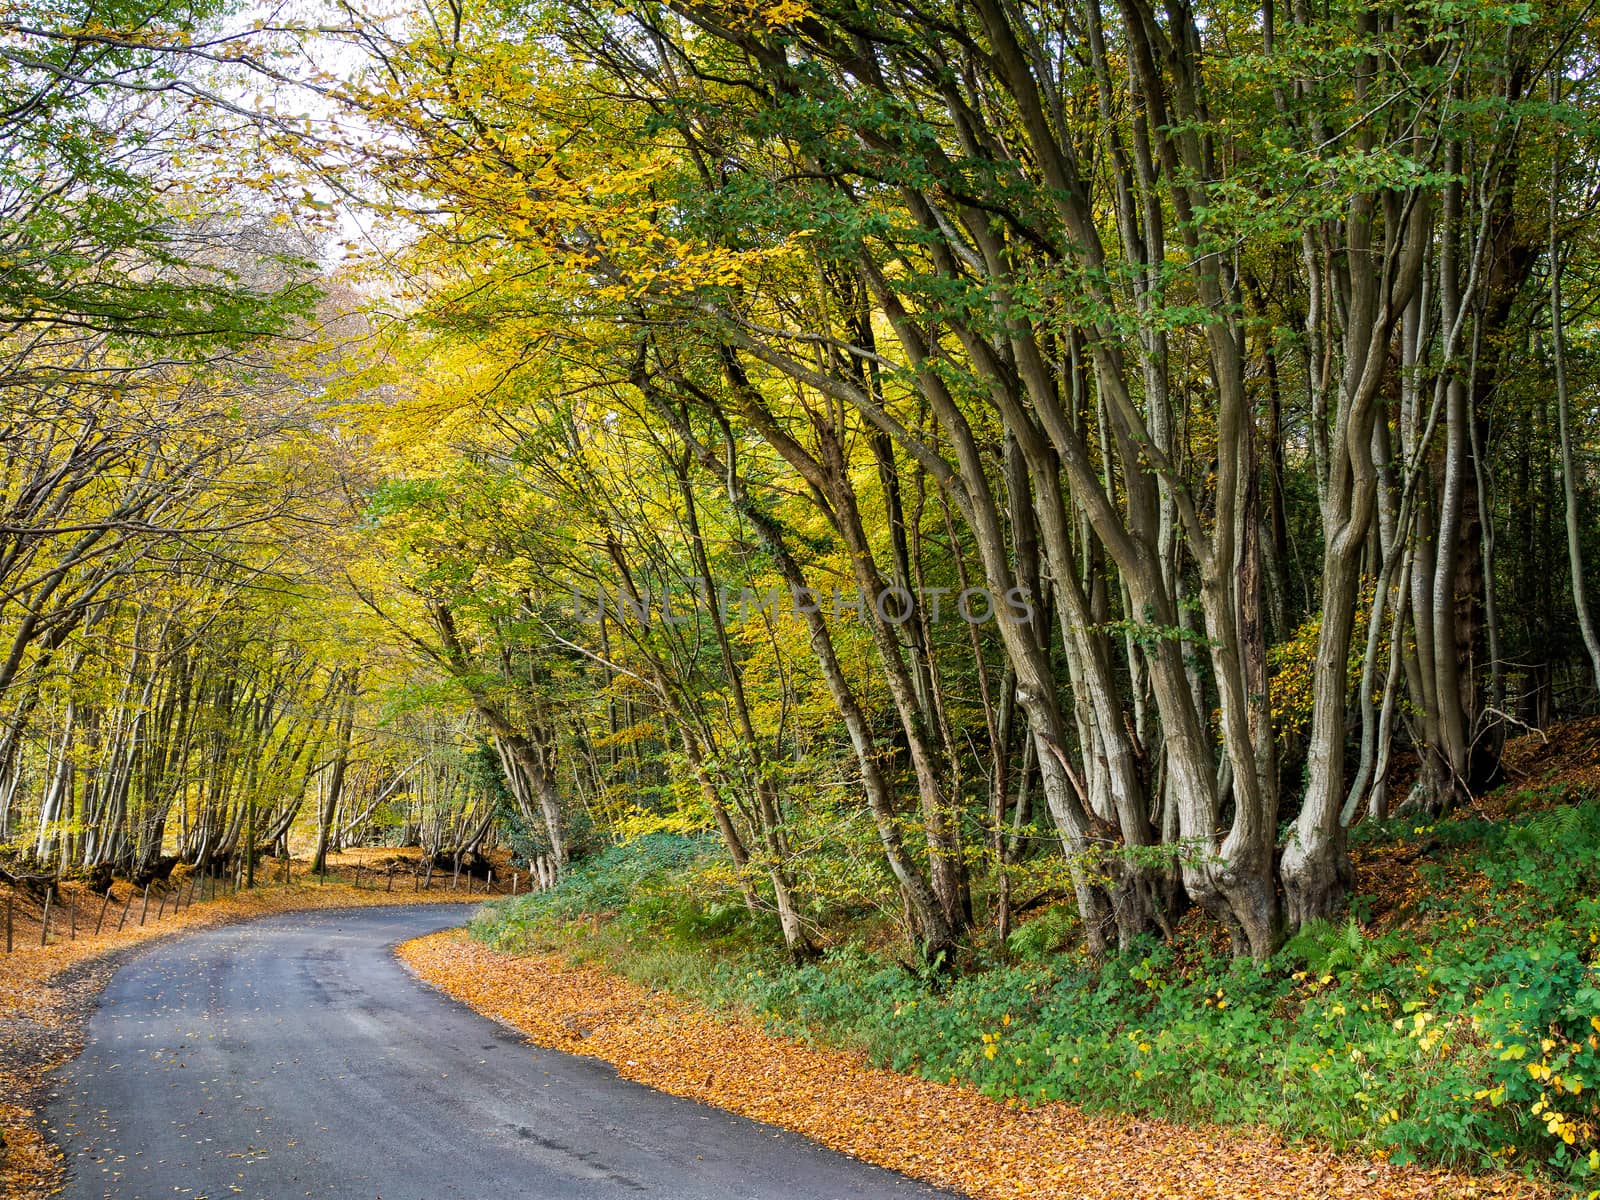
[40,912]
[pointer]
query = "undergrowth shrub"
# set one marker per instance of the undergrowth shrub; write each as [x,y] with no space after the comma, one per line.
[621,881]
[1469,1035]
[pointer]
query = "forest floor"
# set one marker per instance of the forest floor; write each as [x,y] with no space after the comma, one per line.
[47,992]
[628,962]
[945,1134]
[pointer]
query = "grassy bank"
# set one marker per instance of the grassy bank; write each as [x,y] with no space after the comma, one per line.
[1453,1018]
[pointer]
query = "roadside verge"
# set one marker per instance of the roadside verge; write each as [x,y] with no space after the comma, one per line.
[940,1133]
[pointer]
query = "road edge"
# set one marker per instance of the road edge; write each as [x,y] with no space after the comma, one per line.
[946,1135]
[48,1033]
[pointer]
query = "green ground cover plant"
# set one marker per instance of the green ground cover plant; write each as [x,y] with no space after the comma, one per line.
[1463,1030]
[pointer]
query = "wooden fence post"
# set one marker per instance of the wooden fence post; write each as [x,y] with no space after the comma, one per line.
[145,907]
[126,905]
[101,919]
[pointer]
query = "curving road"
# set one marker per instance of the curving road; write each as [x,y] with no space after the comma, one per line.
[295,1057]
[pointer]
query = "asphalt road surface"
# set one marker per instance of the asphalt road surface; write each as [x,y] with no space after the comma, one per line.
[294,1056]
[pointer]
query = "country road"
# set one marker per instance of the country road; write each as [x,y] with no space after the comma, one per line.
[295,1057]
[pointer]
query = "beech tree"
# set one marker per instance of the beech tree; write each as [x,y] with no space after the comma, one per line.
[1238,356]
